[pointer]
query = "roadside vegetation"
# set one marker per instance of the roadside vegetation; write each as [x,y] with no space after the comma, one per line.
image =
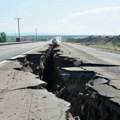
[3,37]
[11,39]
[106,42]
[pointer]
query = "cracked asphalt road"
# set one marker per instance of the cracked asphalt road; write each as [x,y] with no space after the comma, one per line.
[107,66]
[33,104]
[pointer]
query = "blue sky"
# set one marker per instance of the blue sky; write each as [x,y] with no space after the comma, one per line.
[61,16]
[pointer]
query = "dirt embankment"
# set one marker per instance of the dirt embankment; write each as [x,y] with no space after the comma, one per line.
[108,42]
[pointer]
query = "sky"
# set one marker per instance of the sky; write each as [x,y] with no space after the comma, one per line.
[76,17]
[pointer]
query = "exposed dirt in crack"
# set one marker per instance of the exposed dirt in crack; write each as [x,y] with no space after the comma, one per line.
[72,86]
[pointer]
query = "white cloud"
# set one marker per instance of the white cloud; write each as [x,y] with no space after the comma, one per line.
[91,12]
[98,11]
[95,21]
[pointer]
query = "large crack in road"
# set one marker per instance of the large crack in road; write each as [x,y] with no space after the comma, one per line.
[71,84]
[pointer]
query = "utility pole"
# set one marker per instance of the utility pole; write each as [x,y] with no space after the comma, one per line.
[36,33]
[18,21]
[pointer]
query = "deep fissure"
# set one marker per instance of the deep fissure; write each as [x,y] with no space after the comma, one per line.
[50,73]
[86,103]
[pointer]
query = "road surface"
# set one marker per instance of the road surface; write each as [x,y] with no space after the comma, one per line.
[97,54]
[89,81]
[9,51]
[106,64]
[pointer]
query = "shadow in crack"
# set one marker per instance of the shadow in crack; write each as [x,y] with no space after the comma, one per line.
[20,59]
[97,65]
[64,61]
[30,63]
[42,52]
[18,69]
[76,76]
[14,59]
[40,86]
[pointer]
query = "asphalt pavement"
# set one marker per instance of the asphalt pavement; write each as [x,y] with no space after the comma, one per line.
[96,55]
[9,51]
[23,97]
[105,64]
